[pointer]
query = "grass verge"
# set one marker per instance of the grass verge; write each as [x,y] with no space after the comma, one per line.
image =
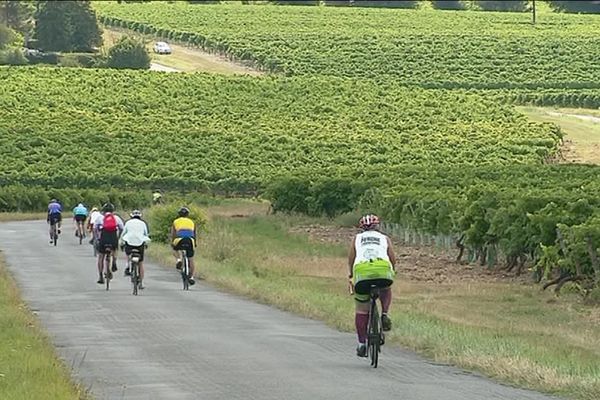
[14,216]
[511,332]
[29,368]
[581,126]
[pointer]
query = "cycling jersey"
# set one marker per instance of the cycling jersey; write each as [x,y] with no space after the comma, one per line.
[372,265]
[54,208]
[80,211]
[184,228]
[135,232]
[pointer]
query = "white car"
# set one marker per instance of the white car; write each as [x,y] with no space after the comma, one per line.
[162,48]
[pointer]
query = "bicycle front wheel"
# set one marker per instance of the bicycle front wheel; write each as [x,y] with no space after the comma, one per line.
[374,335]
[185,273]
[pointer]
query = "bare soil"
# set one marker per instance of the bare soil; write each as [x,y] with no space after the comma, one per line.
[419,264]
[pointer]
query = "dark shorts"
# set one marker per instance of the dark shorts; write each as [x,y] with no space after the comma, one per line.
[54,218]
[185,244]
[107,239]
[140,249]
[80,218]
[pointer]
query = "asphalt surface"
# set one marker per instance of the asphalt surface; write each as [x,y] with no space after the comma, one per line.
[204,344]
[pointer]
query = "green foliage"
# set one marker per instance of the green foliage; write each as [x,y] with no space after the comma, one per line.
[160,219]
[7,36]
[16,14]
[424,47]
[12,56]
[35,198]
[67,26]
[128,53]
[176,131]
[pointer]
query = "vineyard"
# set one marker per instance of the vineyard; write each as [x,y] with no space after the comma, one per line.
[436,49]
[406,113]
[89,128]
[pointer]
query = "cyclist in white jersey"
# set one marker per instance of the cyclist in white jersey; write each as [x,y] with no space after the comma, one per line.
[371,261]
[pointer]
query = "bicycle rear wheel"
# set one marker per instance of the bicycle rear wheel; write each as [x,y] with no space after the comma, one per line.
[80,233]
[374,334]
[185,272]
[135,278]
[107,273]
[54,235]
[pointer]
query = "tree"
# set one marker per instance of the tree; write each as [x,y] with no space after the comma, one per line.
[128,53]
[374,3]
[448,4]
[590,6]
[67,26]
[7,36]
[16,14]
[502,5]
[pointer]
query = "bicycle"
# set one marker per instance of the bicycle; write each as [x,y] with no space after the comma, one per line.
[134,268]
[108,262]
[375,336]
[53,233]
[80,232]
[185,269]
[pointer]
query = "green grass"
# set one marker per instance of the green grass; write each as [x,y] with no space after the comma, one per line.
[583,133]
[14,216]
[29,368]
[510,332]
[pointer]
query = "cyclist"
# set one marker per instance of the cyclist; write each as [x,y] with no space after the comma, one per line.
[135,236]
[107,228]
[183,237]
[54,216]
[156,197]
[92,218]
[371,261]
[80,214]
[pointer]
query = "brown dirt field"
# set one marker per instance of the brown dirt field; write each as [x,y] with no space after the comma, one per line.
[417,264]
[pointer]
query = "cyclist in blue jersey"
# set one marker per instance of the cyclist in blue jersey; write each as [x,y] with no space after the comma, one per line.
[80,214]
[54,216]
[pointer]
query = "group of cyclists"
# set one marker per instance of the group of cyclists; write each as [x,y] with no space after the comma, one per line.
[371,258]
[109,233]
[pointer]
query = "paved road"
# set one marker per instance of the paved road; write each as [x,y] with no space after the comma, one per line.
[159,67]
[203,344]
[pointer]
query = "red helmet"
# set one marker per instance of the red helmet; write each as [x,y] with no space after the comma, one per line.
[368,221]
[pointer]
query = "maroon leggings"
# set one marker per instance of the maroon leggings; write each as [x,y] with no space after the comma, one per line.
[362,320]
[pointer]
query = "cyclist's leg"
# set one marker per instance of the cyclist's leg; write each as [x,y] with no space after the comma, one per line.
[385,296]
[361,321]
[100,265]
[59,222]
[176,254]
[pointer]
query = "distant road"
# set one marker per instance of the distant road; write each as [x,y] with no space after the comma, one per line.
[204,344]
[159,67]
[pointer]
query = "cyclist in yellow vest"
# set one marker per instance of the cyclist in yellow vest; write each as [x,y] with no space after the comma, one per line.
[371,261]
[183,237]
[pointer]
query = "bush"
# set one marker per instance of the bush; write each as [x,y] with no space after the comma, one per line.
[83,60]
[128,53]
[160,218]
[12,56]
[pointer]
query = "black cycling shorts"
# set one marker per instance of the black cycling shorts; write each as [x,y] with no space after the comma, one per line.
[80,218]
[140,249]
[185,244]
[54,218]
[107,239]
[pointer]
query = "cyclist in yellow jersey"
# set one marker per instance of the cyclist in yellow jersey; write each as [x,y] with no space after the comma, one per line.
[183,237]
